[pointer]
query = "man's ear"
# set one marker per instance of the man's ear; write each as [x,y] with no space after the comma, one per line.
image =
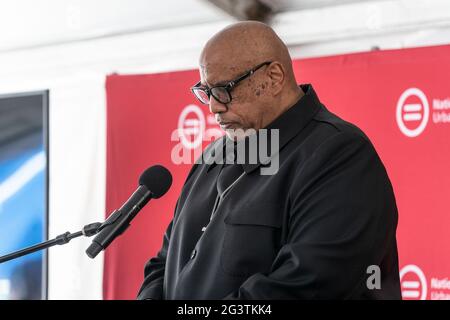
[277,76]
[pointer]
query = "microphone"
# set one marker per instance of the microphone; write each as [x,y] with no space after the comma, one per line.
[153,184]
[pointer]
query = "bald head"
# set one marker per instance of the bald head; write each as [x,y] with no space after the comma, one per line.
[245,43]
[263,94]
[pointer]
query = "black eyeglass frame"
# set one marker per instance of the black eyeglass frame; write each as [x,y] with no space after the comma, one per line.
[228,86]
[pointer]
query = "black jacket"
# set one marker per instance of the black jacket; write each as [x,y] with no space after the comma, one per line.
[311,231]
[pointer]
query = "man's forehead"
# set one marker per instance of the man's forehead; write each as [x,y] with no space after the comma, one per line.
[217,73]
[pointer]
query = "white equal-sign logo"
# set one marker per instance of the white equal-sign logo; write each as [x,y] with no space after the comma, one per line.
[191,126]
[410,289]
[413,283]
[412,112]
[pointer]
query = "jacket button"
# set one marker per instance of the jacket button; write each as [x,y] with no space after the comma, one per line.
[193,253]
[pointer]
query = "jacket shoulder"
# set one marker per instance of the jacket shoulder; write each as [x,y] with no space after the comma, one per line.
[338,125]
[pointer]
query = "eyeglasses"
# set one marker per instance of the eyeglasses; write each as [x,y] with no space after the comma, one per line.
[222,93]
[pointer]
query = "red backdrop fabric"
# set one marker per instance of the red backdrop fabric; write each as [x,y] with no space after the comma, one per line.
[399,98]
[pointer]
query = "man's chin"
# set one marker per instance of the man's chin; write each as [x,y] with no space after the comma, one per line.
[237,134]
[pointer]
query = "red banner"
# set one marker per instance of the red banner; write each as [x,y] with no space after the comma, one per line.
[399,98]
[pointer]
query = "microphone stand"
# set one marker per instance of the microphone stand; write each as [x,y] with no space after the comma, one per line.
[87,231]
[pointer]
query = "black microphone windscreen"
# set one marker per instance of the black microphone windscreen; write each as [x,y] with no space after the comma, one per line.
[157,179]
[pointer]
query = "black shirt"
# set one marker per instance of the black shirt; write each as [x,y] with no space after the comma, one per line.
[311,231]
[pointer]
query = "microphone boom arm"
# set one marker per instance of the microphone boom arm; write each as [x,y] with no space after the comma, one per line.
[87,231]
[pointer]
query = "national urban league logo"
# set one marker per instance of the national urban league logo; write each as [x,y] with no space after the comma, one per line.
[413,283]
[192,127]
[413,112]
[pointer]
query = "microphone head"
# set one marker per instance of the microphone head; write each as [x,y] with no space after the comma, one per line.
[157,179]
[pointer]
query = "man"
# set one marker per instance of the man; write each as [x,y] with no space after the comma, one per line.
[322,227]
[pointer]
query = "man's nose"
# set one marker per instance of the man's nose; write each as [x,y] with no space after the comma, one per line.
[216,107]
